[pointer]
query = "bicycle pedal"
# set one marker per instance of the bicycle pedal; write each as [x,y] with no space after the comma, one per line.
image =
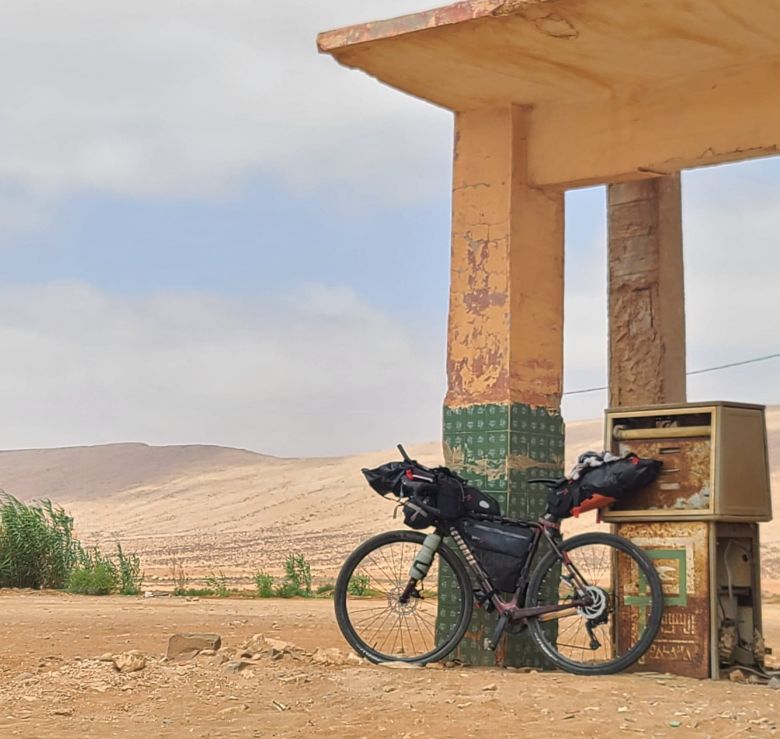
[488,645]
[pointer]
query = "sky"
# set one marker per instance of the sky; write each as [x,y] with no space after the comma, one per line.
[209,233]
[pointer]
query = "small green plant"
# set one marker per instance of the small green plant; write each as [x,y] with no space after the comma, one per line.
[326,589]
[264,584]
[286,589]
[95,574]
[130,575]
[179,576]
[216,582]
[359,584]
[196,592]
[297,578]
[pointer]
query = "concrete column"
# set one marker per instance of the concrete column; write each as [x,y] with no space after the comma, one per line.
[502,422]
[646,293]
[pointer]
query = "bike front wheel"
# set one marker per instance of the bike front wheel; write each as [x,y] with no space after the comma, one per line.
[369,607]
[622,610]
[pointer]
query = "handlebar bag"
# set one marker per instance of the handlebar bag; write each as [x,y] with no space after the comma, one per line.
[438,488]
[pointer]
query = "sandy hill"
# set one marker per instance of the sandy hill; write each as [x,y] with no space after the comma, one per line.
[218,508]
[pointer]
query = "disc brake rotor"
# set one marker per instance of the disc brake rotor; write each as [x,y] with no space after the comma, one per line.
[598,605]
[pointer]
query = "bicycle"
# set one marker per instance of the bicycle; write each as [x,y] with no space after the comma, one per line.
[390,604]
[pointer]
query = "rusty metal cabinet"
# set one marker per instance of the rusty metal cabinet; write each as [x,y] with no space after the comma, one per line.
[699,524]
[716,465]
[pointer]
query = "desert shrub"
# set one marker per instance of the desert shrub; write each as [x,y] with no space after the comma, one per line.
[216,584]
[264,584]
[37,546]
[130,575]
[297,578]
[326,589]
[94,574]
[179,576]
[359,584]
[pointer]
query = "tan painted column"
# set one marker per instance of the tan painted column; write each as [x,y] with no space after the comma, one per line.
[505,339]
[502,422]
[646,293]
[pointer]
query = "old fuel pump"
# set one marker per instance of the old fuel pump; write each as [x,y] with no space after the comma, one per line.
[699,523]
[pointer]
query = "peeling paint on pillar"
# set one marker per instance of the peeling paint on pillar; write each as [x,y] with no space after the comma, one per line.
[646,293]
[506,299]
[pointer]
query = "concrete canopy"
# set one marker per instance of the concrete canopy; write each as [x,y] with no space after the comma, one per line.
[615,89]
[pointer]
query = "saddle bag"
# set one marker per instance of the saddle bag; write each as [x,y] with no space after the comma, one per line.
[598,486]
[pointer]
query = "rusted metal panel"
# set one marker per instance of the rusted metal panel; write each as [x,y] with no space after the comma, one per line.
[680,553]
[684,483]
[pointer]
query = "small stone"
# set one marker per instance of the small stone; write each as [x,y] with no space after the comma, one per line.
[107,657]
[25,676]
[389,689]
[332,657]
[234,666]
[278,647]
[492,686]
[148,594]
[737,676]
[129,662]
[464,705]
[182,643]
[434,666]
[774,683]
[623,709]
[675,724]
[62,712]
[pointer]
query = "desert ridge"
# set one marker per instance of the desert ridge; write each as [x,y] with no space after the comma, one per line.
[218,508]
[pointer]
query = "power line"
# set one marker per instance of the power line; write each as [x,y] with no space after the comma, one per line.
[694,372]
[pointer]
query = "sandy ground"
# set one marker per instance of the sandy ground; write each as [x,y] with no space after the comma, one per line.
[52,683]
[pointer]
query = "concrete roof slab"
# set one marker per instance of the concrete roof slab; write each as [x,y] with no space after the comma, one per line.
[492,52]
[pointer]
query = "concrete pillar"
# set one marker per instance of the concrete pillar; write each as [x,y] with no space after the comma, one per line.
[646,293]
[502,422]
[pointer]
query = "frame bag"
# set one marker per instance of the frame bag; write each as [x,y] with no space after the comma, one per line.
[500,548]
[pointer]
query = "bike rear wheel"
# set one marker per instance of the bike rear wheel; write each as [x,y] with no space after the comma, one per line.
[368,605]
[590,639]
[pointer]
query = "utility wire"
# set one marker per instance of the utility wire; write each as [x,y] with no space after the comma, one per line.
[695,372]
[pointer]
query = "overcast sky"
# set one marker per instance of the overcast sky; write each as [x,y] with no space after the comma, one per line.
[211,234]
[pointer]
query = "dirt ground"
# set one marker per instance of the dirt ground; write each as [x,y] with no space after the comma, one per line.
[54,684]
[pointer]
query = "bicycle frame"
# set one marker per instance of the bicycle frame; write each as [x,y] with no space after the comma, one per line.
[511,610]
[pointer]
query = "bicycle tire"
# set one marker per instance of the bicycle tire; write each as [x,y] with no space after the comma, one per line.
[652,619]
[463,598]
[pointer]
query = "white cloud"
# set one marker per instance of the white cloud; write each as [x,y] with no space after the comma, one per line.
[189,97]
[316,372]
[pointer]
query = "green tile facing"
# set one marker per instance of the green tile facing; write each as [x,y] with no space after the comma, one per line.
[498,448]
